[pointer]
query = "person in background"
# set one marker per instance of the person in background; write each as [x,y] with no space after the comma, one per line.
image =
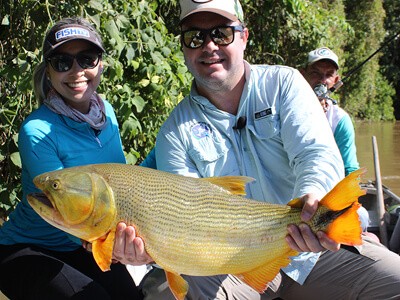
[321,72]
[73,126]
[322,69]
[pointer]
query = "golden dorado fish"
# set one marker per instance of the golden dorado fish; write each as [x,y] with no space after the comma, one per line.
[190,226]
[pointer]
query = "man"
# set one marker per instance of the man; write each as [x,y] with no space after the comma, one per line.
[322,69]
[264,122]
[321,72]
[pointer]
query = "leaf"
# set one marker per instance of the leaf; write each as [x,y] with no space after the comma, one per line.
[16,159]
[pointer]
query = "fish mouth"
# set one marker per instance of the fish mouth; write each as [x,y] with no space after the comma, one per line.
[42,198]
[43,205]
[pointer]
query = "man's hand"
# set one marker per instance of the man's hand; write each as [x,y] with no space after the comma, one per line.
[128,248]
[301,238]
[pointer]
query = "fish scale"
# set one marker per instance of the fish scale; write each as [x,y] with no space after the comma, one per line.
[189,226]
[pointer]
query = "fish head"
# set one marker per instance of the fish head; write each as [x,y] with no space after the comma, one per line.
[76,201]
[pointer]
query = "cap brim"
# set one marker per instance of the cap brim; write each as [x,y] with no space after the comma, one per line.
[323,58]
[52,49]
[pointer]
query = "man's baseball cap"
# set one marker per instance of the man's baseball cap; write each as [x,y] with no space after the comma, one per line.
[230,9]
[61,34]
[322,53]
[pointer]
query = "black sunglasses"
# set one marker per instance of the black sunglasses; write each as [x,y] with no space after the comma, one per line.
[220,35]
[62,62]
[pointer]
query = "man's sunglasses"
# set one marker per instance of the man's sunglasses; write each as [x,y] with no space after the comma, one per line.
[220,35]
[62,62]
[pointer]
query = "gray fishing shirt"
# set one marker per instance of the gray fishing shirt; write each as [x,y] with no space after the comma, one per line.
[280,136]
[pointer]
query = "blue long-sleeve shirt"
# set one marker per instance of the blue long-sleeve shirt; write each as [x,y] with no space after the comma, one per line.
[343,131]
[49,141]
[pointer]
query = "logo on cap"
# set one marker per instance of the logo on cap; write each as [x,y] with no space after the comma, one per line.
[71,31]
[324,52]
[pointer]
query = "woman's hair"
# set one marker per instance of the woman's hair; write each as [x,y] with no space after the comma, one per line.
[41,82]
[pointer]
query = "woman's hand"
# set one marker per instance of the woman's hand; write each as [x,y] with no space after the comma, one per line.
[128,248]
[301,238]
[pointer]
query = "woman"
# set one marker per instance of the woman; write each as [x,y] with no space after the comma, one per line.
[72,127]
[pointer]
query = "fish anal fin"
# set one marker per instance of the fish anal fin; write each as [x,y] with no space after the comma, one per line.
[259,278]
[102,249]
[346,229]
[296,203]
[178,286]
[345,192]
[233,184]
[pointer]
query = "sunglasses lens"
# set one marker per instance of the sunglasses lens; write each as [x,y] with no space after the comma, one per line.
[88,60]
[222,35]
[64,62]
[61,62]
[193,38]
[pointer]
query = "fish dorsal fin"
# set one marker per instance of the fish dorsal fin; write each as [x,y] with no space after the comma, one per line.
[296,203]
[178,286]
[347,228]
[102,249]
[259,278]
[345,192]
[233,184]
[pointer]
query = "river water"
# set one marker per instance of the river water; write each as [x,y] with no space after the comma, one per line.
[388,141]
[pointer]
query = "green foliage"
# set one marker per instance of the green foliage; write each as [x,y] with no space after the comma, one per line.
[360,94]
[390,60]
[289,29]
[144,78]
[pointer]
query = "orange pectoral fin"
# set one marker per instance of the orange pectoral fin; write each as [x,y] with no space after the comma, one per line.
[259,278]
[179,287]
[346,229]
[102,250]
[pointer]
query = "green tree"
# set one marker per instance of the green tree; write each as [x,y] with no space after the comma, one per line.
[360,93]
[390,59]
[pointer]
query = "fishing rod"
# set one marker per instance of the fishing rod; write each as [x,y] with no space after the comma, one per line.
[351,72]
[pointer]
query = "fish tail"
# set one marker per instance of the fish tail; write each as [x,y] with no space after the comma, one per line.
[343,200]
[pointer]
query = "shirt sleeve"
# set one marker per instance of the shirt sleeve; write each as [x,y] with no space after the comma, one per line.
[177,160]
[37,148]
[345,139]
[308,139]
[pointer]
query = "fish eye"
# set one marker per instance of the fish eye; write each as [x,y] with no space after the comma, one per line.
[55,184]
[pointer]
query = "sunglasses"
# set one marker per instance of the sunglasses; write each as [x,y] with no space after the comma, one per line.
[220,35]
[63,62]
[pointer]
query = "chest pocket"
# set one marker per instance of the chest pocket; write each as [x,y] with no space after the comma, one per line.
[265,127]
[211,157]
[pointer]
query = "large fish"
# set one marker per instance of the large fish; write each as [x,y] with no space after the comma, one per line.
[189,226]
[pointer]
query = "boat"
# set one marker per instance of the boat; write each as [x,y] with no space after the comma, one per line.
[389,221]
[383,208]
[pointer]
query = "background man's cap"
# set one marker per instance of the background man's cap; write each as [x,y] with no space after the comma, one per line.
[322,53]
[59,35]
[230,9]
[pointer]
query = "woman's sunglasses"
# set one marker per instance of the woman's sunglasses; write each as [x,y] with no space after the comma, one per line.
[62,62]
[220,35]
